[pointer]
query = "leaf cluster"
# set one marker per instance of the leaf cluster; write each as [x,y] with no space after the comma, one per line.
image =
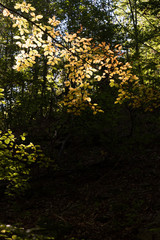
[17,160]
[81,62]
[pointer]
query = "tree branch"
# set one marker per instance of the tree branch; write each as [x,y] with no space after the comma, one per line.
[33,23]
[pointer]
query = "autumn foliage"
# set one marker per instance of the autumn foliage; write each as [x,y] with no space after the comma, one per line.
[81,63]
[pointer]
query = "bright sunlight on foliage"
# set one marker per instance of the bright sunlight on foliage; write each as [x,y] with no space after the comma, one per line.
[81,60]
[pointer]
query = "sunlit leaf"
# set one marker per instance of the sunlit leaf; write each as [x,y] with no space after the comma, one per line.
[6,12]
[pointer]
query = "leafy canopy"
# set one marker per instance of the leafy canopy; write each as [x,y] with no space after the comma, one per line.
[81,63]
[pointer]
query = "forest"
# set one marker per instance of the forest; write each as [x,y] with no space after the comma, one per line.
[79,120]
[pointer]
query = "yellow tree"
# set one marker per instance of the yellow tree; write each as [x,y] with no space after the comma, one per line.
[83,63]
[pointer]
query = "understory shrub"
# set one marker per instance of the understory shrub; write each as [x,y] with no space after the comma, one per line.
[16,161]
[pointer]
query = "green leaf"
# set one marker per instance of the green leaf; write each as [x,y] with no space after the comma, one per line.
[14,237]
[7,141]
[23,138]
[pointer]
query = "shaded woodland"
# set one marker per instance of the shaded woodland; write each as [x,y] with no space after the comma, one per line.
[80,120]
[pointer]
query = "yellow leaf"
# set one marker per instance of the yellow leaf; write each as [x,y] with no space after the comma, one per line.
[90,73]
[88,76]
[111,83]
[39,16]
[39,44]
[32,14]
[16,37]
[26,10]
[6,13]
[107,47]
[32,9]
[101,111]
[107,60]
[67,83]
[88,99]
[98,78]
[96,61]
[17,6]
[14,25]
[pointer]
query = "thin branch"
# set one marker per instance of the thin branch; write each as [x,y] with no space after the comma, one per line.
[133,17]
[141,14]
[155,27]
[35,24]
[151,48]
[125,28]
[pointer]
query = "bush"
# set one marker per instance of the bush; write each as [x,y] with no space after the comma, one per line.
[16,162]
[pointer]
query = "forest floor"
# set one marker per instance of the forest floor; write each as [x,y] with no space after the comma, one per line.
[115,199]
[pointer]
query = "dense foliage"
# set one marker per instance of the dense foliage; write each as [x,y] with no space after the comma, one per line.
[62,74]
[76,78]
[16,160]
